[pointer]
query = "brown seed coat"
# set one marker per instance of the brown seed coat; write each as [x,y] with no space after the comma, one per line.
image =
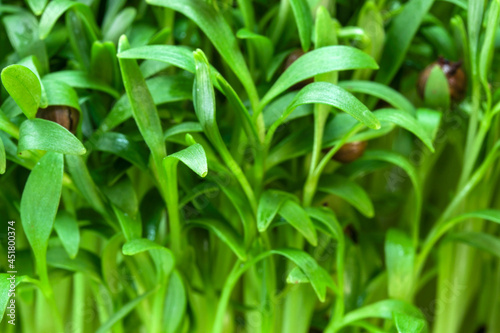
[350,152]
[457,81]
[65,116]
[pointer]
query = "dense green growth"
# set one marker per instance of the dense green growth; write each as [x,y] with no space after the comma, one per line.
[258,229]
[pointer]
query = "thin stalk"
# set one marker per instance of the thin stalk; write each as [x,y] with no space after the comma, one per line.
[338,312]
[143,308]
[281,20]
[49,293]
[172,200]
[238,269]
[104,307]
[158,302]
[8,127]
[471,151]
[313,178]
[444,223]
[240,176]
[77,325]
[231,281]
[321,113]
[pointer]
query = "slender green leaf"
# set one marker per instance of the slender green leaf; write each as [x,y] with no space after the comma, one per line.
[121,145]
[60,93]
[152,67]
[330,94]
[325,34]
[397,160]
[349,191]
[3,164]
[163,257]
[408,324]
[399,259]
[56,8]
[85,262]
[84,182]
[407,121]
[193,157]
[303,18]
[274,110]
[49,136]
[104,64]
[296,276]
[294,214]
[262,43]
[36,67]
[224,231]
[213,24]
[5,295]
[240,109]
[382,309]
[205,108]
[204,101]
[269,204]
[328,221]
[182,128]
[317,275]
[319,61]
[37,6]
[123,195]
[487,214]
[131,228]
[178,56]
[430,121]
[80,79]
[475,12]
[120,24]
[235,196]
[67,229]
[480,240]
[343,123]
[403,163]
[275,64]
[371,20]
[22,30]
[141,101]
[399,37]
[437,92]
[381,91]
[175,303]
[167,89]
[460,3]
[81,37]
[440,39]
[200,189]
[40,201]
[123,311]
[109,264]
[487,50]
[24,88]
[112,9]
[164,89]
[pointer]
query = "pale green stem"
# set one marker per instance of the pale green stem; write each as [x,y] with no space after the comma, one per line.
[313,178]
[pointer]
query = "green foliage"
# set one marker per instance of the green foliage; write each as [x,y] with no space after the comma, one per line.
[260,228]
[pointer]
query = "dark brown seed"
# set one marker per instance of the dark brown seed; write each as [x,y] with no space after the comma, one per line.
[351,232]
[350,152]
[457,81]
[290,60]
[65,116]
